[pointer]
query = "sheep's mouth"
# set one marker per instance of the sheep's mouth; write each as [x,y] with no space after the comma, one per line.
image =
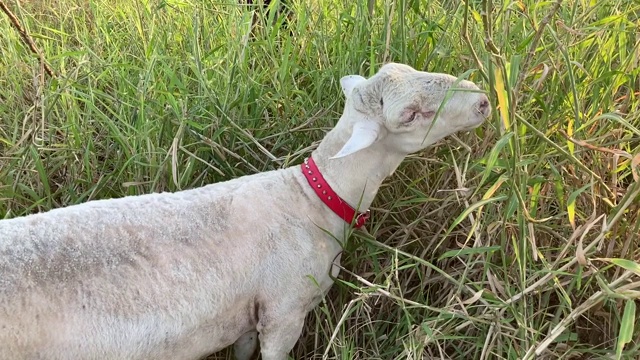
[471,127]
[474,121]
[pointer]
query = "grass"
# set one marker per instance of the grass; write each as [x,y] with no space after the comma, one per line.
[518,241]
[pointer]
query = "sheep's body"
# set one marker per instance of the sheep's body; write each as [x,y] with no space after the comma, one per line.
[181,275]
[134,278]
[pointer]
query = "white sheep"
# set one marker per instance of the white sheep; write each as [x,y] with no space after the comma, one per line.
[182,275]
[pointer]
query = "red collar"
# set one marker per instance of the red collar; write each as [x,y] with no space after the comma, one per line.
[329,197]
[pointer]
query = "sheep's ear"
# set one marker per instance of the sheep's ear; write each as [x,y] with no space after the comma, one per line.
[363,135]
[349,82]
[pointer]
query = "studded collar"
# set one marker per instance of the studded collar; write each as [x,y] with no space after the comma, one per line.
[329,197]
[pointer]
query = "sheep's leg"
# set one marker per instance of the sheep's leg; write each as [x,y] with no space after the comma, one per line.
[278,335]
[246,345]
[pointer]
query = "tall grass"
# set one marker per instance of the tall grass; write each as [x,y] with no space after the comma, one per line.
[517,241]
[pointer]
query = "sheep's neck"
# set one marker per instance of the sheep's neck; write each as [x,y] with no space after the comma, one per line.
[356,178]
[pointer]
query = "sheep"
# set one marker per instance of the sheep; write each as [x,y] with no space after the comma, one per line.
[237,263]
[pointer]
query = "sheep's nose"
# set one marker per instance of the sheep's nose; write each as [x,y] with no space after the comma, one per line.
[484,107]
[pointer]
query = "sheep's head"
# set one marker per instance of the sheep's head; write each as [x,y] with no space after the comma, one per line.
[407,109]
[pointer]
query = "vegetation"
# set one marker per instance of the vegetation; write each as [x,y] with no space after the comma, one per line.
[519,239]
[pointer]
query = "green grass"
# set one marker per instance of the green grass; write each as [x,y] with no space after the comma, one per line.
[490,245]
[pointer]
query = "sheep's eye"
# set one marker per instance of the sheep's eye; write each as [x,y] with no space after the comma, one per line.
[381,102]
[410,119]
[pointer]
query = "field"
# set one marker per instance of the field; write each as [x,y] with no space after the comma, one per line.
[519,240]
